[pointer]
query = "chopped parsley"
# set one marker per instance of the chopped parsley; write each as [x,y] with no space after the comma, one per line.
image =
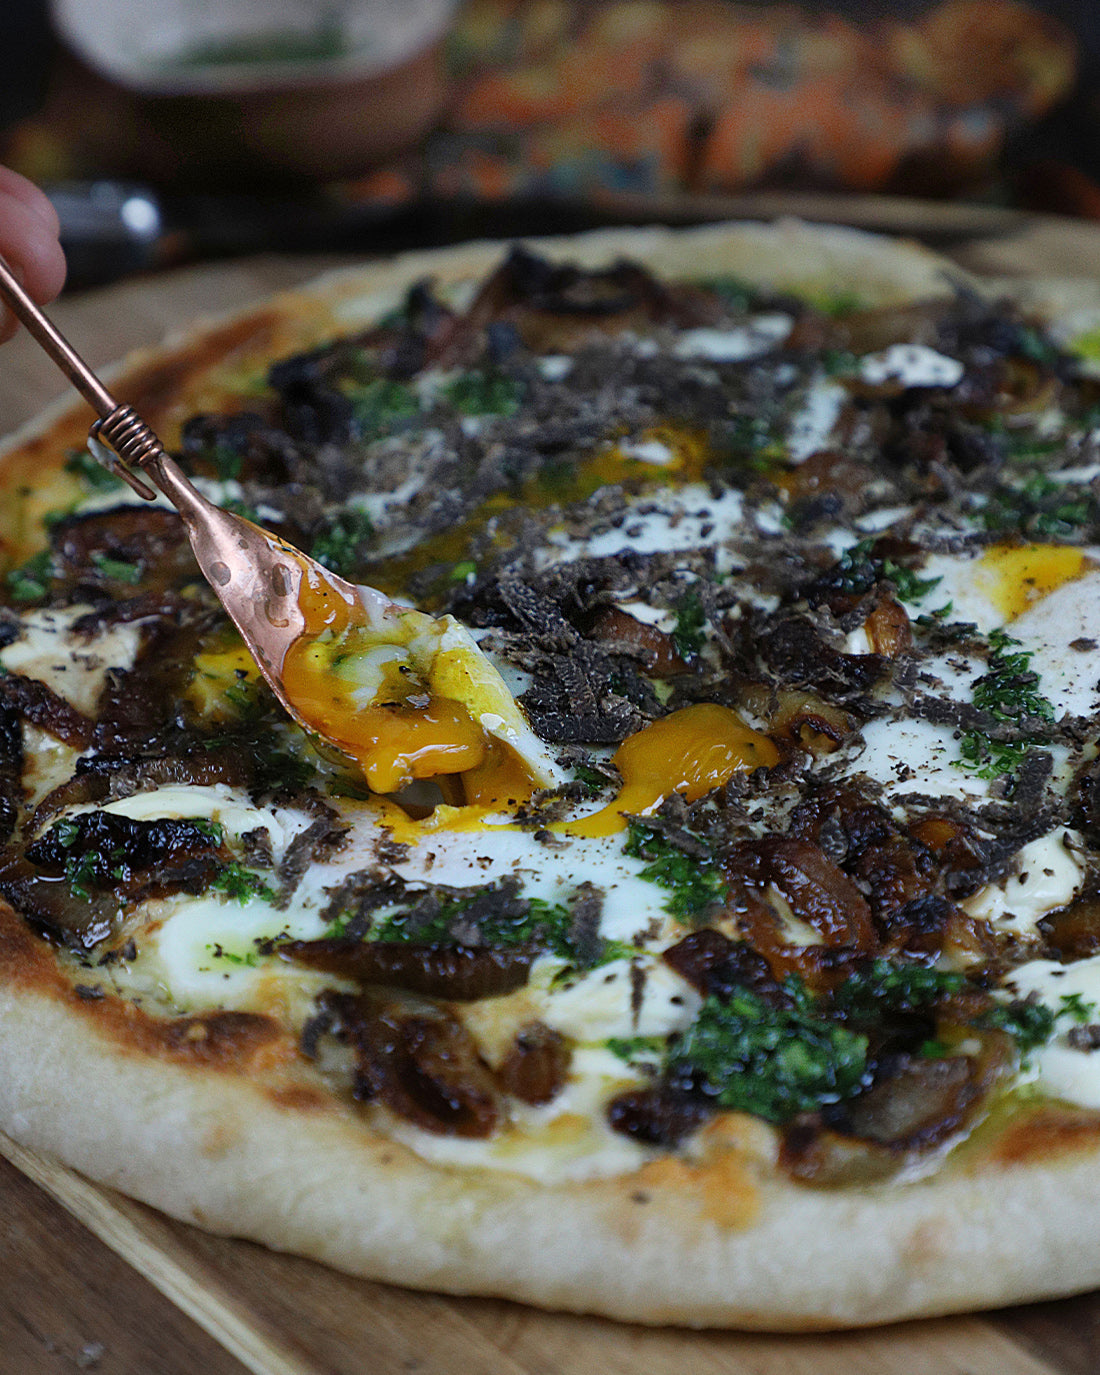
[32,579]
[1074,1006]
[1030,1024]
[226,461]
[749,441]
[380,405]
[241,884]
[635,1048]
[242,509]
[694,885]
[1010,693]
[326,41]
[908,586]
[896,986]
[1036,346]
[689,633]
[591,779]
[119,570]
[521,922]
[484,392]
[340,545]
[836,301]
[1040,508]
[249,961]
[857,571]
[772,1062]
[737,295]
[93,475]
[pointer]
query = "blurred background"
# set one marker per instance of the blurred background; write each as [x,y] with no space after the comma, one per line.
[169,130]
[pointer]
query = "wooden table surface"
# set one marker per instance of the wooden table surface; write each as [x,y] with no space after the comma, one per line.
[90,1280]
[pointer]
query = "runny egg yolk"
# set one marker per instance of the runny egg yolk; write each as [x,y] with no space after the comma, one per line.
[690,752]
[1015,577]
[373,690]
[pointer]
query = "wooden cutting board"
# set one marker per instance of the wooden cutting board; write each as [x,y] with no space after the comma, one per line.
[90,1280]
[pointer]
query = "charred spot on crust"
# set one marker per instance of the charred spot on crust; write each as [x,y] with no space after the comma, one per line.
[216,1038]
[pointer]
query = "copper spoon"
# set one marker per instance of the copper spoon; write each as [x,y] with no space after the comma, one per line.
[257,576]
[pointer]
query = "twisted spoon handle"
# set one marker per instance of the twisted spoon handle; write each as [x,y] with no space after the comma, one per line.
[119,425]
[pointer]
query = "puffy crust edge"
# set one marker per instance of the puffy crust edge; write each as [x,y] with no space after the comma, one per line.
[215,1149]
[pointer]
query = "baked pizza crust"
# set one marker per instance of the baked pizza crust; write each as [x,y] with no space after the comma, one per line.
[239,1142]
[720,1244]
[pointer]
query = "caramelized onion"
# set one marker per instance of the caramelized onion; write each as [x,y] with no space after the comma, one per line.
[624,634]
[459,973]
[1073,932]
[423,1064]
[658,1116]
[888,629]
[818,891]
[920,1105]
[536,1067]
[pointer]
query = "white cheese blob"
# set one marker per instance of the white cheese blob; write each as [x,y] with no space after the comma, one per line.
[648,451]
[553,367]
[913,365]
[1047,875]
[917,756]
[686,517]
[205,951]
[568,1138]
[813,423]
[614,1001]
[762,334]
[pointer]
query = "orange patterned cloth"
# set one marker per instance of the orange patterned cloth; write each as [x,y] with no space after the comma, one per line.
[664,97]
[588,100]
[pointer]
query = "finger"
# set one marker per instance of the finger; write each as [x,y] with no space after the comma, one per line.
[32,251]
[24,191]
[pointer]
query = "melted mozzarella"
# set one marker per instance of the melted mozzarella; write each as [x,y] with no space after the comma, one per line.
[686,517]
[568,1138]
[553,367]
[913,365]
[204,950]
[616,1000]
[1063,631]
[1047,875]
[915,756]
[813,423]
[762,334]
[648,451]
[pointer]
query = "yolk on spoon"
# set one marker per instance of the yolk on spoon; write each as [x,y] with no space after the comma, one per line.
[690,752]
[364,687]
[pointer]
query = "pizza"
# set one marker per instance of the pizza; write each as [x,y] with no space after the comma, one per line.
[753,979]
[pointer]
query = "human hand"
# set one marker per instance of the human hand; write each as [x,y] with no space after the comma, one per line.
[28,242]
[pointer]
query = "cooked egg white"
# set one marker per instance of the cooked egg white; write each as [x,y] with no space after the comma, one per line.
[75,667]
[1062,1070]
